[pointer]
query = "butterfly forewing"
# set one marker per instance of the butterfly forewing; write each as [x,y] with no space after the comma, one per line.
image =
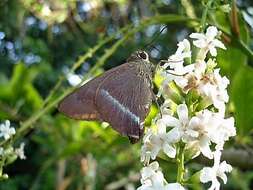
[80,104]
[124,99]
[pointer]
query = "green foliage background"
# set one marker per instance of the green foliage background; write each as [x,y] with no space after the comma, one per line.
[38,48]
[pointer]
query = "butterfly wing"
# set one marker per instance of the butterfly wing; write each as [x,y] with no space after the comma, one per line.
[80,103]
[121,96]
[124,98]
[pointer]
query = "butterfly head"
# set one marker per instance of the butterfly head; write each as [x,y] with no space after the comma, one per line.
[139,55]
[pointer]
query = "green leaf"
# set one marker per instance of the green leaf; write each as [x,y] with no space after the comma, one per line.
[32,97]
[230,61]
[72,148]
[242,97]
[19,91]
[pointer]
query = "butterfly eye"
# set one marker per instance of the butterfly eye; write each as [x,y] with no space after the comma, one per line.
[143,55]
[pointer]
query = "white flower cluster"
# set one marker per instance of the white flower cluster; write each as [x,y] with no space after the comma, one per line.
[20,151]
[198,120]
[152,179]
[6,131]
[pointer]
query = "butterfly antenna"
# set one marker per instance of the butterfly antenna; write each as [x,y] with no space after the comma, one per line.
[157,34]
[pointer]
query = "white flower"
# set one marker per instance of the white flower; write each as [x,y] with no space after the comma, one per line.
[223,131]
[198,133]
[215,88]
[166,139]
[152,179]
[178,74]
[209,84]
[218,170]
[221,94]
[179,124]
[183,51]
[149,150]
[208,127]
[174,68]
[6,131]
[153,142]
[20,151]
[193,79]
[207,41]
[151,176]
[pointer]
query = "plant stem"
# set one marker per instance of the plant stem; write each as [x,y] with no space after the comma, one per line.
[180,164]
[204,16]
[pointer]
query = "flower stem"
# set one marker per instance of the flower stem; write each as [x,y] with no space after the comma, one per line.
[180,164]
[204,16]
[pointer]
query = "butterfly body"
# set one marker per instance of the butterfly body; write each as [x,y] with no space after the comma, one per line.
[121,96]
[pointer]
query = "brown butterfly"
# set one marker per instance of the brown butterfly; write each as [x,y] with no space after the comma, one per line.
[121,96]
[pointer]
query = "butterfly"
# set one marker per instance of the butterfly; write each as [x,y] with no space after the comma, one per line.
[122,96]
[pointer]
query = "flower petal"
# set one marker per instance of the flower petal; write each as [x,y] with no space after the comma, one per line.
[174,186]
[169,150]
[207,174]
[171,121]
[204,144]
[211,32]
[218,43]
[174,135]
[213,51]
[182,112]
[197,36]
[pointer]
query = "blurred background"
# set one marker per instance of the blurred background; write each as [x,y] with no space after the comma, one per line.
[45,41]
